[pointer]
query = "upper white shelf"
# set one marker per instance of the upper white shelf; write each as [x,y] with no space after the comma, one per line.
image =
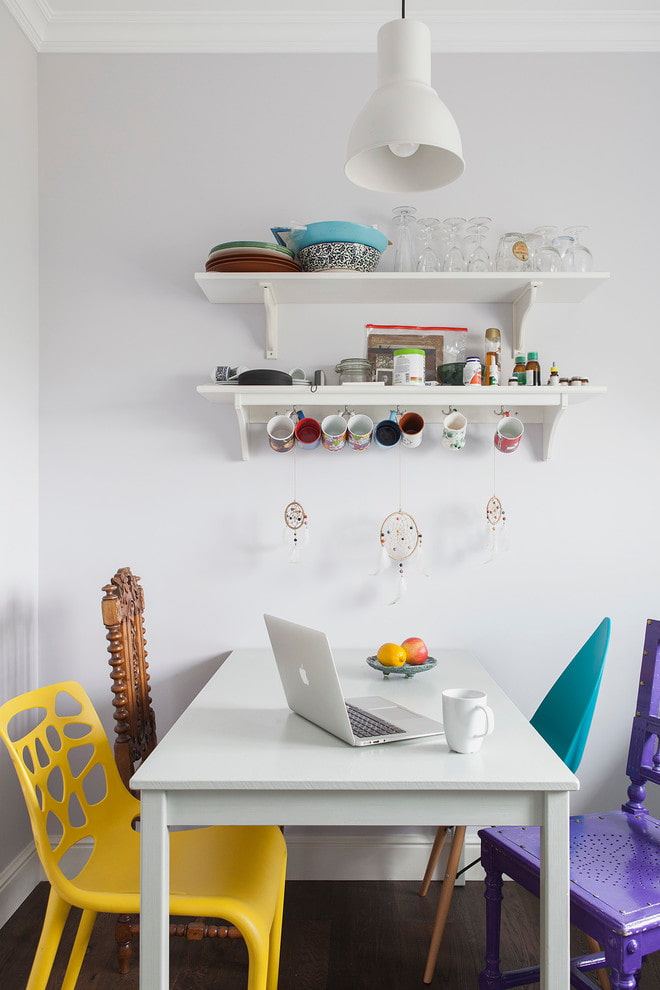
[521,291]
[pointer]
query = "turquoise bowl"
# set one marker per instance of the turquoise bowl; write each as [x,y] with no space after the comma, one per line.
[337,231]
[408,669]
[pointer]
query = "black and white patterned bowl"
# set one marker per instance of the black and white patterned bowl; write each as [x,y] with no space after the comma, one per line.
[338,256]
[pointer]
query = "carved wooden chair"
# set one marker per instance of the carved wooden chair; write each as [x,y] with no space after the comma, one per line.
[135,729]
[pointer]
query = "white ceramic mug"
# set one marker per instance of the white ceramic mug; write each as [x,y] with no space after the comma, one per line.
[508,434]
[280,430]
[412,426]
[333,430]
[454,429]
[467,719]
[360,429]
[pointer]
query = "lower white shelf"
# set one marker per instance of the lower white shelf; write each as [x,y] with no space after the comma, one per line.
[533,404]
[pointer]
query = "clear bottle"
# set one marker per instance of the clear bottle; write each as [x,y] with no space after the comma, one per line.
[493,374]
[533,369]
[519,369]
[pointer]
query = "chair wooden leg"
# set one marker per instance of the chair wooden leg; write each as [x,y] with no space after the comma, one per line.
[603,977]
[441,834]
[124,942]
[446,894]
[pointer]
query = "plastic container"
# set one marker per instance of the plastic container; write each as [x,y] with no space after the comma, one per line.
[409,366]
[472,371]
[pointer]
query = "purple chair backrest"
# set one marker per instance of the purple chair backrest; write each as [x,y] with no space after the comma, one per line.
[643,759]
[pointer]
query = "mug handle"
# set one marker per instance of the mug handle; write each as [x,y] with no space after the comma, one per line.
[490,720]
[296,413]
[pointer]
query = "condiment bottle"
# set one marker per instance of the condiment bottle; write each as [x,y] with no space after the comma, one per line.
[554,375]
[533,369]
[519,369]
[493,356]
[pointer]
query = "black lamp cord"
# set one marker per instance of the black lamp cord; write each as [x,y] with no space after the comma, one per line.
[403,8]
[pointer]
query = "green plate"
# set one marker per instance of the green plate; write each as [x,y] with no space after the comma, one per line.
[253,244]
[408,669]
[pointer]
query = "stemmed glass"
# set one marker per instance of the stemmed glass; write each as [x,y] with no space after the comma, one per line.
[428,260]
[454,260]
[478,258]
[546,257]
[404,239]
[577,257]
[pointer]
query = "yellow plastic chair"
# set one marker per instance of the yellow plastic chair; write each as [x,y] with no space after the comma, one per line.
[72,788]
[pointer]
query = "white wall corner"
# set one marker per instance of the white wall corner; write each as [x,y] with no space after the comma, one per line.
[33,17]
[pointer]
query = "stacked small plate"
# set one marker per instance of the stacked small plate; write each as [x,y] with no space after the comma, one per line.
[251,256]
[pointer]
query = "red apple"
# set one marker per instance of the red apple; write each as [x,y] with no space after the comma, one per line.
[416,650]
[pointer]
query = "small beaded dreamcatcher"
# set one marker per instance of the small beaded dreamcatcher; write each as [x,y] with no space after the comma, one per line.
[295,519]
[399,540]
[495,519]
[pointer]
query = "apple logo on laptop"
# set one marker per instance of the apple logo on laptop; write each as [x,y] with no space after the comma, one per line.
[303,675]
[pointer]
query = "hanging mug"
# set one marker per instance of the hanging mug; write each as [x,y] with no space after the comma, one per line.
[360,430]
[308,433]
[281,432]
[454,428]
[508,434]
[412,425]
[333,429]
[388,432]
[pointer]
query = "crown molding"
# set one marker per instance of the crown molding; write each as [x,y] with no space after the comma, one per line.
[327,32]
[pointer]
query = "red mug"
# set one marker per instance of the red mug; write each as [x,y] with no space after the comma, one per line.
[508,434]
[308,433]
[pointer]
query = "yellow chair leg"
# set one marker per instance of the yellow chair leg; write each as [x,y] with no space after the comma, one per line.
[57,911]
[79,949]
[446,894]
[275,939]
[438,843]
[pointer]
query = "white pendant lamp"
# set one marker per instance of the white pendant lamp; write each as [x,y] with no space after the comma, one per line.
[405,139]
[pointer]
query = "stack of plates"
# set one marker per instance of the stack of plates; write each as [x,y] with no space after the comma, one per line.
[251,256]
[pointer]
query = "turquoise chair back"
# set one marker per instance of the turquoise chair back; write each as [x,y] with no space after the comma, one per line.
[564,716]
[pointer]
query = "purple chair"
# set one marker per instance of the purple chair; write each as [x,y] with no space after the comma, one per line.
[615,862]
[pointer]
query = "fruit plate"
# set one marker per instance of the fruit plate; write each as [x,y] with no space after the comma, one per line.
[407,669]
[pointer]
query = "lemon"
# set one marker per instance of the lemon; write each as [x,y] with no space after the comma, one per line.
[391,655]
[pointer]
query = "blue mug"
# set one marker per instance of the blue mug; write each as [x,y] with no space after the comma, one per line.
[388,432]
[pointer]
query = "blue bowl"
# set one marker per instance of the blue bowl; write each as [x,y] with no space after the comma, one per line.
[337,231]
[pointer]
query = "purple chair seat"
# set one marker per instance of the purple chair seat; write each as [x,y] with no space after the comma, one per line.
[614,857]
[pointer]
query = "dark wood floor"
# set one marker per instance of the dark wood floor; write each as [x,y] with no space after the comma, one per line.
[337,936]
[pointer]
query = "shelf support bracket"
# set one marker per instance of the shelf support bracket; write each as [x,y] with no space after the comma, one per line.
[521,307]
[551,417]
[270,305]
[239,408]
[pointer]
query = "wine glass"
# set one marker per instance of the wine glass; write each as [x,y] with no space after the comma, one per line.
[428,260]
[404,238]
[546,257]
[454,260]
[478,258]
[577,258]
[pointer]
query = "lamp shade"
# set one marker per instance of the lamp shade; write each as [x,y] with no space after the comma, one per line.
[405,139]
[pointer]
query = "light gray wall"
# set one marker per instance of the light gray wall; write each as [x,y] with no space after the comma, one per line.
[18,406]
[148,161]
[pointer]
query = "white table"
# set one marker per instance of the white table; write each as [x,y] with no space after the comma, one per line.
[237,755]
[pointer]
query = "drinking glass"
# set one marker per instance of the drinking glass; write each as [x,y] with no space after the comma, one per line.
[428,260]
[478,258]
[454,260]
[404,238]
[577,258]
[512,253]
[546,257]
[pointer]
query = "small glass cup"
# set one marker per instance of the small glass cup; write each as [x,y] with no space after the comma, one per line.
[512,253]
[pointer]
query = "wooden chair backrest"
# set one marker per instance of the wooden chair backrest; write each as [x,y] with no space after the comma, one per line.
[135,723]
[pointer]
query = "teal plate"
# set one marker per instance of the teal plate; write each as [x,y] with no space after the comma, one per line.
[408,669]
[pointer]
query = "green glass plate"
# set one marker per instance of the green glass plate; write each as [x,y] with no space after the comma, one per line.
[253,244]
[408,669]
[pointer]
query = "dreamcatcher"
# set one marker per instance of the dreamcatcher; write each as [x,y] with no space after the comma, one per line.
[400,541]
[295,520]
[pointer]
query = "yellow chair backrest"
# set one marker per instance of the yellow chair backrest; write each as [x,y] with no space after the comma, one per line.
[66,769]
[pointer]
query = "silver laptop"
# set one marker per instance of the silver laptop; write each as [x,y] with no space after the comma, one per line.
[311,685]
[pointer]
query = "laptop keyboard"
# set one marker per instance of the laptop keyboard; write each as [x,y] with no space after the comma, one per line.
[364,724]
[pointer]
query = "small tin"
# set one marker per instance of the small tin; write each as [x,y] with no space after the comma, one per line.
[472,371]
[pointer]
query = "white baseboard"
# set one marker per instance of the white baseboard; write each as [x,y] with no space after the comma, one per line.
[17,880]
[314,854]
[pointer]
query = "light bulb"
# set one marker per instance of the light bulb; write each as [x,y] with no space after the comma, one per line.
[403,149]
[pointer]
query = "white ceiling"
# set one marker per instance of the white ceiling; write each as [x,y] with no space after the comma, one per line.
[336,25]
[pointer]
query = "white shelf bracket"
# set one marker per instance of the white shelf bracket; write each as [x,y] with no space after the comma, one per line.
[521,307]
[242,427]
[270,305]
[551,417]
